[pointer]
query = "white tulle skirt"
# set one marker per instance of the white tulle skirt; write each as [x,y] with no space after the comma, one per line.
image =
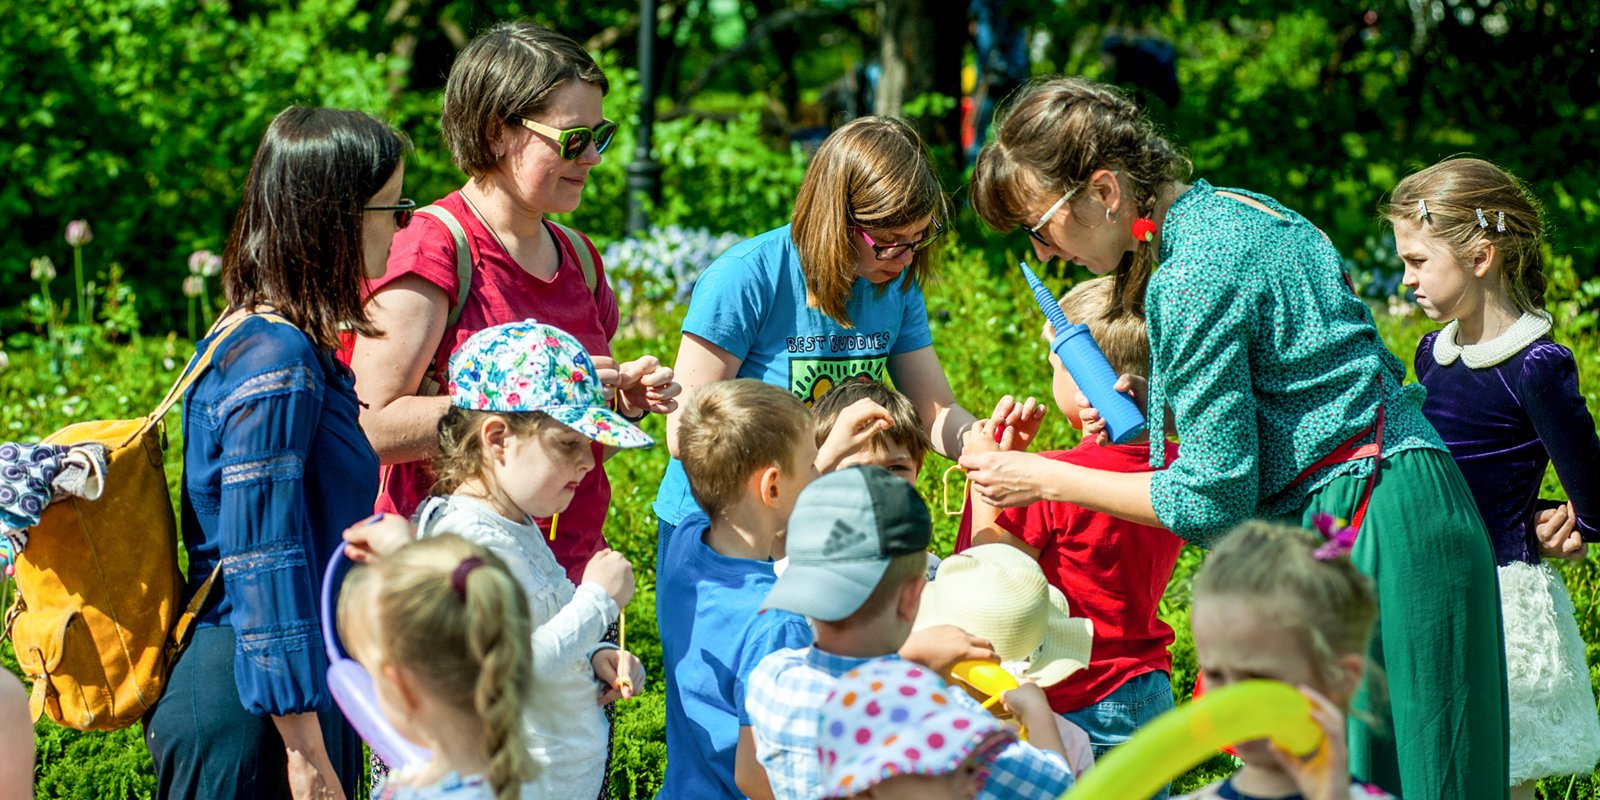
[1555,729]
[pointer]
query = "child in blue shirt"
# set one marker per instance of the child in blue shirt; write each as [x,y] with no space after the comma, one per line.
[748,450]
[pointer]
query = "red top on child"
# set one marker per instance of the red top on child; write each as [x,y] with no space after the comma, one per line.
[1112,571]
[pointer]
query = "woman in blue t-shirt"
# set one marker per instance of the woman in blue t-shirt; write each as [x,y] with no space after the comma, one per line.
[835,295]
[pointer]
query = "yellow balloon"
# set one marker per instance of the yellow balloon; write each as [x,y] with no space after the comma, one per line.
[1176,741]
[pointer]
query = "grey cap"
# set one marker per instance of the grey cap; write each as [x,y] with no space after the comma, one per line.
[845,528]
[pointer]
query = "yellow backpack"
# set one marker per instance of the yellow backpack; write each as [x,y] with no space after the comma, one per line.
[98,619]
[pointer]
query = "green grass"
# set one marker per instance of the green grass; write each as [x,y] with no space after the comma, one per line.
[987,335]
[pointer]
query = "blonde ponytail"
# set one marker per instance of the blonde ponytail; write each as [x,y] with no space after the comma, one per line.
[451,613]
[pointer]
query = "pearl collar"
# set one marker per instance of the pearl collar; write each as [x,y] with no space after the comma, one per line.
[1525,331]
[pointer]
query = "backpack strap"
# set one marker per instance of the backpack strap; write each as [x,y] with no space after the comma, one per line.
[585,252]
[463,258]
[180,629]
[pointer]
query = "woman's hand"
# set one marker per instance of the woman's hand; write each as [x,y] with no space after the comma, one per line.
[645,385]
[311,775]
[377,536]
[621,671]
[1135,386]
[1006,479]
[1558,535]
[1325,774]
[1019,420]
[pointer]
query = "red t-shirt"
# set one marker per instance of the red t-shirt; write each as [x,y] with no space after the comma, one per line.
[503,292]
[1111,570]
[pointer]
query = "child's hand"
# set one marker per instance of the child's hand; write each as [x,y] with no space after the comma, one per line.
[647,385]
[1325,774]
[610,571]
[1556,529]
[1134,386]
[619,670]
[1028,704]
[377,536]
[1020,420]
[854,427]
[941,647]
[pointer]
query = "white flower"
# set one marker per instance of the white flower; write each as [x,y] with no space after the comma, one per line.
[78,233]
[42,269]
[194,286]
[205,263]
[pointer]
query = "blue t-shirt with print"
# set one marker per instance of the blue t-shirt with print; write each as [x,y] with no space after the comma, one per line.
[712,636]
[751,302]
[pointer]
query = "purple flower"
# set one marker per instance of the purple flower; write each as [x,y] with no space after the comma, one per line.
[78,233]
[1340,538]
[204,263]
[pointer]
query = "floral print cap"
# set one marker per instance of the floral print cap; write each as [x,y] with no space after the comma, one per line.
[890,717]
[531,366]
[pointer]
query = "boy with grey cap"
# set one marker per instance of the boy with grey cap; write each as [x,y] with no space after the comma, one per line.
[857,545]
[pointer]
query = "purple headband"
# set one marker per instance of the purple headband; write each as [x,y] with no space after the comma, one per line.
[458,578]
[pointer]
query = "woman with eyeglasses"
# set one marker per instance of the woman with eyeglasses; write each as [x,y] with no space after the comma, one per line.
[522,117]
[275,467]
[1288,406]
[833,296]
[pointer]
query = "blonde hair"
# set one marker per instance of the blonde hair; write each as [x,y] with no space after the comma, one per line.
[905,425]
[872,173]
[902,569]
[1331,604]
[510,70]
[470,650]
[1051,138]
[1469,201]
[731,429]
[1124,339]
[461,456]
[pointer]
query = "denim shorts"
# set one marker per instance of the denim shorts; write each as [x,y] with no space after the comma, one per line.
[1111,721]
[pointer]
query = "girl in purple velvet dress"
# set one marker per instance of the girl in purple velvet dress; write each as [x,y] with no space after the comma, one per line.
[1505,399]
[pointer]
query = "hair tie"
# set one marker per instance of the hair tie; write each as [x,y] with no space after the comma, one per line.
[1340,538]
[1422,210]
[458,578]
[1483,222]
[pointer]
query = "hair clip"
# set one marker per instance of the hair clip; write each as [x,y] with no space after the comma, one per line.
[1500,222]
[1483,222]
[1340,538]
[1422,209]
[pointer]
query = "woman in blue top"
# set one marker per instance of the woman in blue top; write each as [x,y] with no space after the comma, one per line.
[275,467]
[1287,403]
[835,295]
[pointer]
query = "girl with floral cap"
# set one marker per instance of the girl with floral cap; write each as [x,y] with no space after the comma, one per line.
[526,403]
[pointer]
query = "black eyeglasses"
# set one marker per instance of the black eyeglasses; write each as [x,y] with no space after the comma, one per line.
[884,252]
[1034,229]
[574,141]
[402,211]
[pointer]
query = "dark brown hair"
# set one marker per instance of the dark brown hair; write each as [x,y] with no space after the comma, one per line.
[297,241]
[905,426]
[1469,201]
[874,173]
[730,430]
[1050,138]
[510,70]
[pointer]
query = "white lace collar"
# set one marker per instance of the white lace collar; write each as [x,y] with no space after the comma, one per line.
[1525,331]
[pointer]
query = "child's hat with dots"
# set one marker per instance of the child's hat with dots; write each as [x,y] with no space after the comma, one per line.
[891,717]
[530,366]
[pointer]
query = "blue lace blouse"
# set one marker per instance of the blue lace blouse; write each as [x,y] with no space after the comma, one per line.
[275,468]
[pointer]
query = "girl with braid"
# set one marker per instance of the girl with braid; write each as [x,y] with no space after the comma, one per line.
[444,631]
[1287,404]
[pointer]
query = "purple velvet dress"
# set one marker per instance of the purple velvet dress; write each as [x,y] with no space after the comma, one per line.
[1504,424]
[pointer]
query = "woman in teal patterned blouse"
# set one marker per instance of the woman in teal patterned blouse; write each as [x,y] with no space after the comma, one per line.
[1281,392]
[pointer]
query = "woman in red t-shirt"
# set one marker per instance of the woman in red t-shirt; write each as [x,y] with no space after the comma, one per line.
[522,117]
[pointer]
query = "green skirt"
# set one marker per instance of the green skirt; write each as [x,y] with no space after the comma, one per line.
[1431,721]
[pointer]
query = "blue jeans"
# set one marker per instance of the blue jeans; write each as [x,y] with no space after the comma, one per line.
[1111,721]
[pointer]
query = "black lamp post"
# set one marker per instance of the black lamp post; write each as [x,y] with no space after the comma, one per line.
[644,173]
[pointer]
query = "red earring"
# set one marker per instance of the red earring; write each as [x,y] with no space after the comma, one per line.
[1144,229]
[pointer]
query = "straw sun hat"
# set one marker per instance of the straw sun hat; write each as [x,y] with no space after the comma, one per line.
[998,592]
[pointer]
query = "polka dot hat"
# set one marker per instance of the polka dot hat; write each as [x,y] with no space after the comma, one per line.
[892,717]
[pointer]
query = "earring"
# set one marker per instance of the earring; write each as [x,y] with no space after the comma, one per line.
[1144,230]
[1110,217]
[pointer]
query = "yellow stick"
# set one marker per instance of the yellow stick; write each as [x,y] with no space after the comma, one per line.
[622,646]
[554,520]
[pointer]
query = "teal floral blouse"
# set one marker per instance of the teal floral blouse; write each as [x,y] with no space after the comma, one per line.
[1267,360]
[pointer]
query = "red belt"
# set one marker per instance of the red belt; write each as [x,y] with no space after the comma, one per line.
[1352,451]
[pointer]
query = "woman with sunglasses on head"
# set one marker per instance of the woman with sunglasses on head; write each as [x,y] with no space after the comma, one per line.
[275,467]
[833,296]
[522,117]
[1288,406]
